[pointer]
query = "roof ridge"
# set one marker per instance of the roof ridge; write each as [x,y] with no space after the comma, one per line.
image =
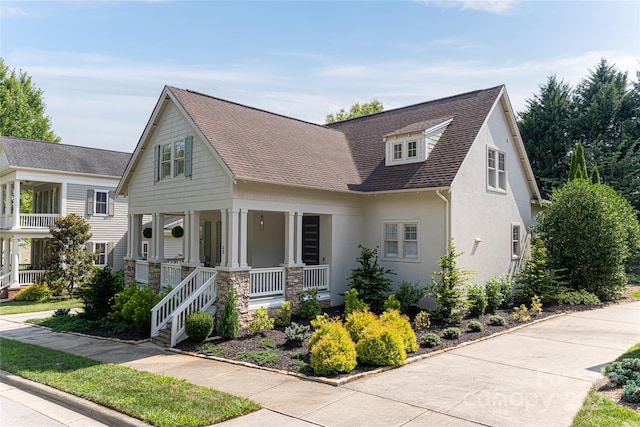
[62,144]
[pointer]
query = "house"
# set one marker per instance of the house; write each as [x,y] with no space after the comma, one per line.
[60,179]
[279,205]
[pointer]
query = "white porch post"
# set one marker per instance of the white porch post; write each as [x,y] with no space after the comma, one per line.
[193,239]
[15,253]
[7,255]
[299,238]
[243,238]
[186,237]
[63,199]
[136,241]
[7,203]
[289,242]
[129,236]
[158,236]
[16,204]
[223,238]
[233,238]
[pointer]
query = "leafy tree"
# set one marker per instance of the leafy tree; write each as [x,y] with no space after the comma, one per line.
[370,279]
[592,233]
[448,289]
[578,168]
[356,110]
[68,261]
[22,108]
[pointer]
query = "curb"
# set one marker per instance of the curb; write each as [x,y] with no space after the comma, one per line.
[78,404]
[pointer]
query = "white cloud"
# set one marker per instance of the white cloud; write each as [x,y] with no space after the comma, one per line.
[9,11]
[491,6]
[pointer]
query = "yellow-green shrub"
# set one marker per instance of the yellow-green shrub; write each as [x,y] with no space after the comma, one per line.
[401,323]
[331,350]
[35,292]
[358,321]
[381,346]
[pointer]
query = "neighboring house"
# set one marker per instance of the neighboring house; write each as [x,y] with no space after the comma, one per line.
[62,179]
[279,205]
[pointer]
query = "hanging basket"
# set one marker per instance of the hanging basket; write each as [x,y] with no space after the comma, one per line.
[147,232]
[177,232]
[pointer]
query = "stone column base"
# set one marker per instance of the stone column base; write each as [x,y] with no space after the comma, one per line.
[129,271]
[294,284]
[239,280]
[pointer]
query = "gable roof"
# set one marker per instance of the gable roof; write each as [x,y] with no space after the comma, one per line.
[30,154]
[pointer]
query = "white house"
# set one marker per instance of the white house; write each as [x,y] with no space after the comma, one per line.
[62,179]
[278,205]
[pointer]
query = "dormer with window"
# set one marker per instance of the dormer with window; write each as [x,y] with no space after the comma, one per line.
[413,143]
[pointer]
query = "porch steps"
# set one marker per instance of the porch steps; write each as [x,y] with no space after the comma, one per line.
[163,338]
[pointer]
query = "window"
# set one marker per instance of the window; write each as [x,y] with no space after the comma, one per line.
[401,241]
[397,151]
[178,162]
[101,201]
[515,240]
[165,165]
[496,170]
[173,159]
[412,149]
[100,250]
[145,250]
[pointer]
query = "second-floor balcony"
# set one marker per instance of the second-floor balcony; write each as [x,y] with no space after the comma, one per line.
[39,221]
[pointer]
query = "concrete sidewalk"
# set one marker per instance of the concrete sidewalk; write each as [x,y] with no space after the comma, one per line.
[535,376]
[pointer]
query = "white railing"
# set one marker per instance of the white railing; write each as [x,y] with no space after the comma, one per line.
[170,274]
[142,271]
[200,300]
[5,280]
[162,313]
[27,277]
[37,220]
[316,276]
[266,282]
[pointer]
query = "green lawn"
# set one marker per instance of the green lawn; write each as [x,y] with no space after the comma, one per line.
[599,411]
[18,307]
[155,399]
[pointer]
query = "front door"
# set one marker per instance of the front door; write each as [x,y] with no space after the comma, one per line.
[311,240]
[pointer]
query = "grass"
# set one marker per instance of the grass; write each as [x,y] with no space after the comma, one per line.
[70,323]
[635,294]
[155,399]
[19,307]
[600,411]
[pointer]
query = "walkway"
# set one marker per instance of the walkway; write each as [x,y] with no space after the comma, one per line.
[535,376]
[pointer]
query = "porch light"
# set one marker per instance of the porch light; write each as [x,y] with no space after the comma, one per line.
[261,221]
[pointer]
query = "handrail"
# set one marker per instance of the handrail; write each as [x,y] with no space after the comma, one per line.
[161,312]
[200,300]
[5,280]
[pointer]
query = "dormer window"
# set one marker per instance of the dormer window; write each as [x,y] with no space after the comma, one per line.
[413,143]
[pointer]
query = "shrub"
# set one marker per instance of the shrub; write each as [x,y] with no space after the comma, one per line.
[61,312]
[133,305]
[400,323]
[352,303]
[520,314]
[198,325]
[577,297]
[332,351]
[631,392]
[381,346]
[99,293]
[370,279]
[261,322]
[35,292]
[422,321]
[283,317]
[623,371]
[295,334]
[494,295]
[451,333]
[357,322]
[309,305]
[536,277]
[408,295]
[430,340]
[228,324]
[447,289]
[319,320]
[475,326]
[391,303]
[477,299]
[593,233]
[497,321]
[536,305]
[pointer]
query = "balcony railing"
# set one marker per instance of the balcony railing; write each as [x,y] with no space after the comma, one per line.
[37,220]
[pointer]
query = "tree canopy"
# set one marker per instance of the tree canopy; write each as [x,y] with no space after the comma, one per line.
[356,110]
[22,108]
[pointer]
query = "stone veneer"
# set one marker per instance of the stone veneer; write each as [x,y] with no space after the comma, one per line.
[185,271]
[154,276]
[293,288]
[129,271]
[239,279]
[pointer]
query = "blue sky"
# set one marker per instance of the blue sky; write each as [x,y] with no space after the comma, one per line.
[102,65]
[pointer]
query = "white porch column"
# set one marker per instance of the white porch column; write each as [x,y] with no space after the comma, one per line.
[3,210]
[158,236]
[299,238]
[233,238]
[243,238]
[193,240]
[2,249]
[7,203]
[136,241]
[129,236]
[289,238]
[16,204]
[223,238]
[63,199]
[7,255]
[15,262]
[186,237]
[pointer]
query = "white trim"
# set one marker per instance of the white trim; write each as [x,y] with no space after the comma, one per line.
[515,254]
[400,230]
[95,203]
[496,169]
[106,253]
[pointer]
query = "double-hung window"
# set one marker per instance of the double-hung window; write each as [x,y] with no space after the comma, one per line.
[400,240]
[165,165]
[101,202]
[515,241]
[412,149]
[178,158]
[100,249]
[397,151]
[173,159]
[496,170]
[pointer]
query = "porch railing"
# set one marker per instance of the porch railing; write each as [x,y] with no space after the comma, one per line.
[5,280]
[142,271]
[170,274]
[27,277]
[162,313]
[37,220]
[316,276]
[266,282]
[200,300]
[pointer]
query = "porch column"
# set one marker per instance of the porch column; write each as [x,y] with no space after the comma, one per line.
[233,239]
[223,238]
[129,236]
[289,238]
[299,238]
[243,238]
[158,236]
[193,239]
[7,256]
[7,203]
[63,199]
[136,234]
[16,204]
[2,249]
[15,262]
[186,238]
[3,205]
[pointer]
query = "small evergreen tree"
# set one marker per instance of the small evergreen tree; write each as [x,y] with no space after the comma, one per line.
[448,288]
[578,168]
[369,279]
[228,325]
[535,277]
[595,175]
[99,294]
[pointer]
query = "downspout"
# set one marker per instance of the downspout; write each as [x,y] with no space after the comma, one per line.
[447,230]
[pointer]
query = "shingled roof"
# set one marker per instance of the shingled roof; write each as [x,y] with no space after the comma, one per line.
[26,153]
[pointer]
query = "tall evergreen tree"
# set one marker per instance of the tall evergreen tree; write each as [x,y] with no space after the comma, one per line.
[595,175]
[578,169]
